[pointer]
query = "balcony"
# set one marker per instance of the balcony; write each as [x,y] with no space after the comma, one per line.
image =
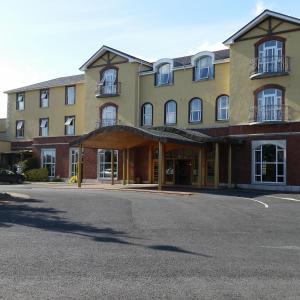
[111,90]
[269,66]
[106,122]
[271,114]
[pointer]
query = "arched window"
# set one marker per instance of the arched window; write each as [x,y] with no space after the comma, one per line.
[171,112]
[269,161]
[147,114]
[195,110]
[108,82]
[269,105]
[204,68]
[163,74]
[109,115]
[270,55]
[222,108]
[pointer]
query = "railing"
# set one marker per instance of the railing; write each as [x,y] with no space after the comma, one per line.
[269,66]
[108,90]
[271,113]
[106,122]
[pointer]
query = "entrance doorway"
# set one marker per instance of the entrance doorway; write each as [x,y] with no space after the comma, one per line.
[183,171]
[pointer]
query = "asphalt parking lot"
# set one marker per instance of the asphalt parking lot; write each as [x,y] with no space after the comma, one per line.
[99,244]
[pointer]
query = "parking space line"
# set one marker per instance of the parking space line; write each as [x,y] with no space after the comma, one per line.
[284,198]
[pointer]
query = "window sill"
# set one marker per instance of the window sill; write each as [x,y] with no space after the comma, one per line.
[195,123]
[222,121]
[106,95]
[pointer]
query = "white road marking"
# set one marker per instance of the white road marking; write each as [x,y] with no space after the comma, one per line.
[236,197]
[284,198]
[283,247]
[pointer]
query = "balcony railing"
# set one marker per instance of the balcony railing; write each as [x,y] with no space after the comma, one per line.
[266,66]
[110,90]
[106,122]
[271,113]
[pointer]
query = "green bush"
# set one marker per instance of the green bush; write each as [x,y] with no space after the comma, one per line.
[29,164]
[57,179]
[37,175]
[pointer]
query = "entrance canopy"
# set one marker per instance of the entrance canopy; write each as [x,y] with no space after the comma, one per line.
[121,137]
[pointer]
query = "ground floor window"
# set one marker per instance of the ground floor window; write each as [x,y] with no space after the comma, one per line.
[104,161]
[73,161]
[48,160]
[269,160]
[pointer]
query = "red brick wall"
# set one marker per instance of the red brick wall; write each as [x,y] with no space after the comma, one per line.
[141,165]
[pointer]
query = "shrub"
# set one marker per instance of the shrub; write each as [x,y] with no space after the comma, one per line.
[57,179]
[29,164]
[37,175]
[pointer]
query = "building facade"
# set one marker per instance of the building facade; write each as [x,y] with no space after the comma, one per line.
[229,117]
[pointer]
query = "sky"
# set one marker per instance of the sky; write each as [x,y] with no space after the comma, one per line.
[42,40]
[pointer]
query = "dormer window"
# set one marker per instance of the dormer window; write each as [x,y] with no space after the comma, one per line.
[203,68]
[20,103]
[164,75]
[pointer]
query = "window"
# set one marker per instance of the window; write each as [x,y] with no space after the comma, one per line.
[70,95]
[195,110]
[44,127]
[269,105]
[204,68]
[20,128]
[70,125]
[44,98]
[108,83]
[74,154]
[147,114]
[109,115]
[164,75]
[48,160]
[222,108]
[270,56]
[269,161]
[171,112]
[105,164]
[20,102]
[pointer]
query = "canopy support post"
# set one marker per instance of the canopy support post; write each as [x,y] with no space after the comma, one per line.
[79,167]
[112,167]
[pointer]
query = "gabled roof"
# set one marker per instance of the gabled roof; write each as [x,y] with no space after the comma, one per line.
[61,81]
[104,49]
[260,18]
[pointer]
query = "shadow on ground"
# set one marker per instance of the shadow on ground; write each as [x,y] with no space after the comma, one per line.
[18,211]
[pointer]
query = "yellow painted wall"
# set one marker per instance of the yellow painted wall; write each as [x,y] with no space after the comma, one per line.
[182,91]
[56,112]
[4,146]
[242,88]
[127,101]
[2,125]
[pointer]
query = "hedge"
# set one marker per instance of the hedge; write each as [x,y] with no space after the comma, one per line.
[37,175]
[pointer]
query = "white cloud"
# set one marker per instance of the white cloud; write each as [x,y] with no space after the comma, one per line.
[260,6]
[207,46]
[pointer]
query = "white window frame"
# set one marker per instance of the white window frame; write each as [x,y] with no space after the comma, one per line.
[73,161]
[221,107]
[192,111]
[44,127]
[147,117]
[278,143]
[111,112]
[70,125]
[208,67]
[100,155]
[170,115]
[270,58]
[269,112]
[20,128]
[109,82]
[44,100]
[68,101]
[20,101]
[52,163]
